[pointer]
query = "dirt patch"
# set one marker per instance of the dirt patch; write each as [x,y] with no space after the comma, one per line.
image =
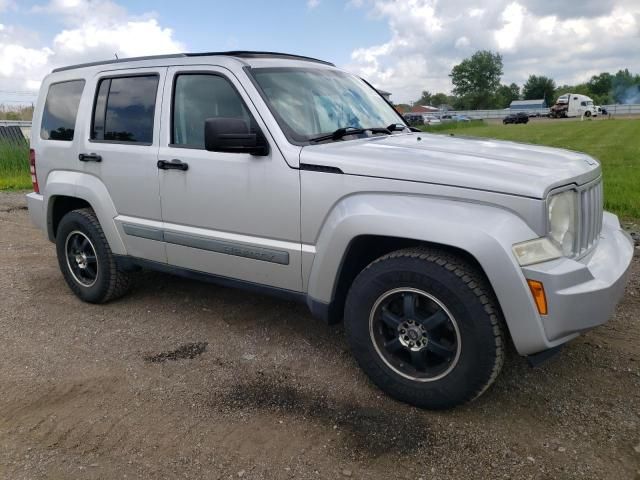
[364,429]
[187,351]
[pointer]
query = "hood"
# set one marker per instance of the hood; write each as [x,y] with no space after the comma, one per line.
[493,165]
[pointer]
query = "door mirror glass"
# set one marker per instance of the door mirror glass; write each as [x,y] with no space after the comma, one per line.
[232,135]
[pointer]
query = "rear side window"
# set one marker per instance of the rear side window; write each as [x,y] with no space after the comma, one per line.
[124,109]
[61,110]
[198,97]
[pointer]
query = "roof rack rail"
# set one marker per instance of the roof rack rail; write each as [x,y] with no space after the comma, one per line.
[118,60]
[259,54]
[232,53]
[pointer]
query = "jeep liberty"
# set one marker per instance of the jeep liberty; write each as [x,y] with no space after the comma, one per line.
[284,174]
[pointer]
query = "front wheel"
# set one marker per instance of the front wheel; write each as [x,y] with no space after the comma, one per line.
[425,327]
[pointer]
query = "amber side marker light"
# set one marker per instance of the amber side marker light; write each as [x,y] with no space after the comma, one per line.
[537,290]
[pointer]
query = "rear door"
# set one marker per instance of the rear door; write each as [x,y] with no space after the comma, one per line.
[122,151]
[230,214]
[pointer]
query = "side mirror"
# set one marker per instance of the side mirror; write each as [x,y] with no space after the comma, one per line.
[227,134]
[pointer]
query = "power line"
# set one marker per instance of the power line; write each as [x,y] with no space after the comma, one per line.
[19,92]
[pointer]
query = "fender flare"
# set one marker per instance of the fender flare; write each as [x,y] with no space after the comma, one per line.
[486,232]
[90,189]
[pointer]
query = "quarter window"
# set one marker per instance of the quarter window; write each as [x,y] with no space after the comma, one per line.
[61,110]
[124,109]
[198,97]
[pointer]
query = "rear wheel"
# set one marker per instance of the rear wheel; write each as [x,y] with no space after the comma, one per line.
[86,260]
[425,327]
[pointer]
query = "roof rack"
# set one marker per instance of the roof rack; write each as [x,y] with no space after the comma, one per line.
[258,54]
[232,53]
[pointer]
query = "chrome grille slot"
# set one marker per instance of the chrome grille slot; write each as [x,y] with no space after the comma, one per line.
[590,217]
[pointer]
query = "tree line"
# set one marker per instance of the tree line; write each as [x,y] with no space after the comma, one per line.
[477,85]
[20,112]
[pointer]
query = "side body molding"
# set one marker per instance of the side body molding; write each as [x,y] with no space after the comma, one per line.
[486,232]
[91,189]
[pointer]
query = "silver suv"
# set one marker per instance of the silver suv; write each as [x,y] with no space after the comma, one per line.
[287,175]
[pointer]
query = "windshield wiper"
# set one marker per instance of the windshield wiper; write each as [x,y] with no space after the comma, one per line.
[396,127]
[343,132]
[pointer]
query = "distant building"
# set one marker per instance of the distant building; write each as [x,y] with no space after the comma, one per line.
[424,109]
[386,95]
[528,105]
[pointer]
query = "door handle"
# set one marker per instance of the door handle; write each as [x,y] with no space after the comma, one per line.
[174,164]
[89,157]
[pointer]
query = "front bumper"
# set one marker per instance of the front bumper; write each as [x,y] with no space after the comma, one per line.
[582,294]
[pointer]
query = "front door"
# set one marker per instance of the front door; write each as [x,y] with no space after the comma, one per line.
[230,214]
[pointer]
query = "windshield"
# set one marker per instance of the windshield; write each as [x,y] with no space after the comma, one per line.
[308,102]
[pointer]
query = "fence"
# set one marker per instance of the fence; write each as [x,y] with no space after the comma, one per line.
[11,125]
[633,109]
[488,114]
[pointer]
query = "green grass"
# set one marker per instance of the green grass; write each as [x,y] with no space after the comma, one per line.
[616,143]
[14,166]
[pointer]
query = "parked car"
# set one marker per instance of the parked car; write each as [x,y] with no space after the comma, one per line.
[413,119]
[461,118]
[431,120]
[286,175]
[520,117]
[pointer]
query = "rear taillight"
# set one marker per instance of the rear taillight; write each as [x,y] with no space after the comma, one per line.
[32,168]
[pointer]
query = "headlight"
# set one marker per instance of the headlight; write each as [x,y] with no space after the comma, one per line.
[561,236]
[562,221]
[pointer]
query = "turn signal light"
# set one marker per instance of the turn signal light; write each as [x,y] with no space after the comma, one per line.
[537,290]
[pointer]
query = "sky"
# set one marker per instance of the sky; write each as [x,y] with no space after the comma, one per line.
[402,46]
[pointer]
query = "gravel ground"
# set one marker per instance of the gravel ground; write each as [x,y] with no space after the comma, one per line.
[182,379]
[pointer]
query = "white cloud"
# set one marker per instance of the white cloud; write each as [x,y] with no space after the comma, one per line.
[513,16]
[462,42]
[6,5]
[569,41]
[93,30]
[311,4]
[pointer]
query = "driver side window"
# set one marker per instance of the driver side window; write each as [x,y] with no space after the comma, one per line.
[197,97]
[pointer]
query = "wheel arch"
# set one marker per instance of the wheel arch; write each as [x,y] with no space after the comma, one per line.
[366,248]
[58,207]
[482,234]
[66,191]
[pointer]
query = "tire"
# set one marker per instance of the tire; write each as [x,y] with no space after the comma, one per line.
[85,259]
[587,114]
[456,359]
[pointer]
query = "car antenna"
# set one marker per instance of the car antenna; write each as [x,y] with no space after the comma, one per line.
[116,55]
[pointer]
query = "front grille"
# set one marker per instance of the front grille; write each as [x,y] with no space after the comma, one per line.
[590,217]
